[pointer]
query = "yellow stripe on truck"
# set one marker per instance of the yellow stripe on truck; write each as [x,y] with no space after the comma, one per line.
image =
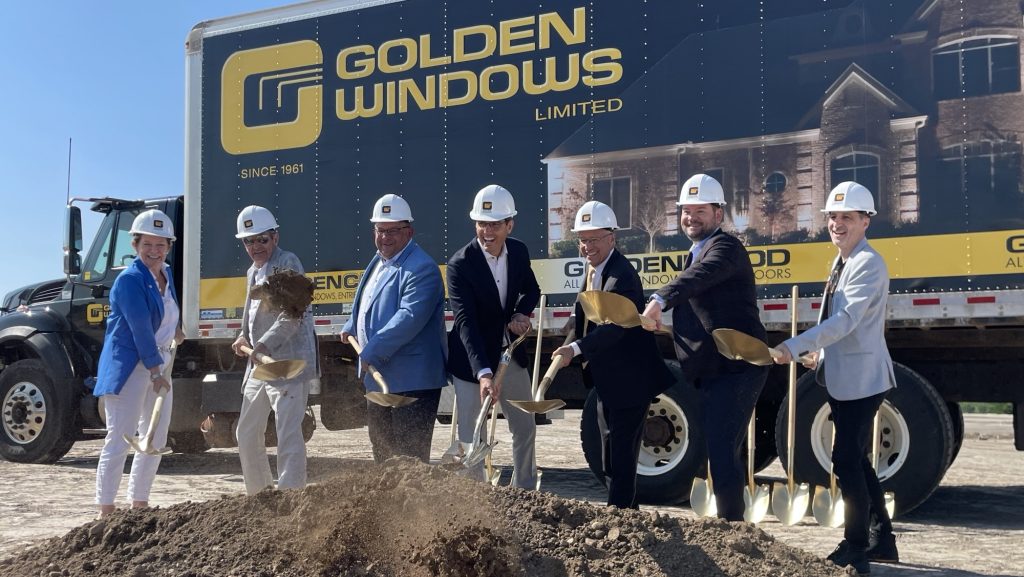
[933,256]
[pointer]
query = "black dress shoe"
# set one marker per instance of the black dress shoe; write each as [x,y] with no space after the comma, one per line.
[882,548]
[846,556]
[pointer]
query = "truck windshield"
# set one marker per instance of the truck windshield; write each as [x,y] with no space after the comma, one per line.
[112,248]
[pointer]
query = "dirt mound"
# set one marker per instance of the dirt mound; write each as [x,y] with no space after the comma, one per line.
[410,520]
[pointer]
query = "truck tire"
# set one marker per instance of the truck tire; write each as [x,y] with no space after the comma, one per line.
[38,418]
[187,442]
[916,433]
[957,416]
[673,447]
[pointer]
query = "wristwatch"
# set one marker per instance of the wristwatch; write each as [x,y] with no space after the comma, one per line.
[154,376]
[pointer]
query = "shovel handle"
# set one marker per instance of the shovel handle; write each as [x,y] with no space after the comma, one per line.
[549,377]
[260,357]
[372,370]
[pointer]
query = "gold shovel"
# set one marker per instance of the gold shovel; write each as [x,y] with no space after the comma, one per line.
[739,346]
[539,405]
[755,497]
[604,308]
[492,472]
[144,445]
[268,369]
[789,500]
[702,496]
[383,398]
[828,507]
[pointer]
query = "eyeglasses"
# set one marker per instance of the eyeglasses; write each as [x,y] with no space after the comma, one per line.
[251,240]
[491,225]
[386,232]
[590,241]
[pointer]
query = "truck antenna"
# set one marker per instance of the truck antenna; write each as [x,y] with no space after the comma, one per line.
[68,199]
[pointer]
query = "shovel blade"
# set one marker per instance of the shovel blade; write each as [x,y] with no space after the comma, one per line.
[702,499]
[389,399]
[477,454]
[740,346]
[756,503]
[602,307]
[538,407]
[136,443]
[790,506]
[279,370]
[890,504]
[828,507]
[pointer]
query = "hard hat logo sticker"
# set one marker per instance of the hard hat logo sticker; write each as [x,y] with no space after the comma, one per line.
[487,206]
[158,224]
[840,196]
[248,223]
[586,218]
[692,191]
[386,209]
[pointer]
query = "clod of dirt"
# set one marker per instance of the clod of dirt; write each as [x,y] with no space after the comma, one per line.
[407,519]
[286,291]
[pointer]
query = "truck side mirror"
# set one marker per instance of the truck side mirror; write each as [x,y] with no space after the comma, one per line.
[73,241]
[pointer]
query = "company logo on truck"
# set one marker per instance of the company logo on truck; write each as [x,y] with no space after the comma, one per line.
[271,98]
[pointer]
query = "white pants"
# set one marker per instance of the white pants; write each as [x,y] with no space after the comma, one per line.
[128,413]
[515,386]
[288,401]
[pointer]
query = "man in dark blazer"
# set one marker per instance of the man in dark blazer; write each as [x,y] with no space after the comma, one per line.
[715,290]
[623,364]
[492,291]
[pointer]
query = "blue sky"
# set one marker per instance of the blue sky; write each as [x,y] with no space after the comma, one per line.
[109,75]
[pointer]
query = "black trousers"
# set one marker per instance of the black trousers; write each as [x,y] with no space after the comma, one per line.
[622,429]
[727,402]
[862,493]
[403,430]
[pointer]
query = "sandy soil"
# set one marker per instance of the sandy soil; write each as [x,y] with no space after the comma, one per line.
[973,525]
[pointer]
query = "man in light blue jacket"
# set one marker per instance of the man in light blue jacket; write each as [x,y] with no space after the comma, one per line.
[847,349]
[398,319]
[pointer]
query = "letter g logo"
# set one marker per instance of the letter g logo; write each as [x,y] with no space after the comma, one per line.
[271,98]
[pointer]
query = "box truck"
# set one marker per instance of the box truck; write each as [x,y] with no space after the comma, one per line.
[317,109]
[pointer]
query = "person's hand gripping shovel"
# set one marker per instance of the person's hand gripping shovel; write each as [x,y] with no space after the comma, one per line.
[385,397]
[268,369]
[145,444]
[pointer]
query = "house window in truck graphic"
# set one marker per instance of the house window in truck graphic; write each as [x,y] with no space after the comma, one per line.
[271,98]
[976,67]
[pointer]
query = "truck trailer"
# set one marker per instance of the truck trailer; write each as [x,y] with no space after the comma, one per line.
[317,109]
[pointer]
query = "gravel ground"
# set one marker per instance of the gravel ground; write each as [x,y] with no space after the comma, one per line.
[972,525]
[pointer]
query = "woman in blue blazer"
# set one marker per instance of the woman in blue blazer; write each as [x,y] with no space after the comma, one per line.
[142,324]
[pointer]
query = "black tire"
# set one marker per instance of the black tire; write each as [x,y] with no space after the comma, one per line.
[957,416]
[916,434]
[37,424]
[187,442]
[673,448]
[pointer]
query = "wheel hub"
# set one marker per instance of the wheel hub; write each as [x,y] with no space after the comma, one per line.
[24,413]
[665,437]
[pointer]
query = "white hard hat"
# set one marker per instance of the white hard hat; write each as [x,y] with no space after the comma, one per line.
[701,189]
[849,197]
[254,220]
[595,215]
[153,222]
[493,203]
[391,208]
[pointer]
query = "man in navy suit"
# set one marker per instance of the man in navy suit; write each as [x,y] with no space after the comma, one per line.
[398,319]
[492,291]
[715,290]
[624,365]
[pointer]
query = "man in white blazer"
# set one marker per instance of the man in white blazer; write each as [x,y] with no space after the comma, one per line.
[847,349]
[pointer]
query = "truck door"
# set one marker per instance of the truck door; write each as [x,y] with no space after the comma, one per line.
[111,252]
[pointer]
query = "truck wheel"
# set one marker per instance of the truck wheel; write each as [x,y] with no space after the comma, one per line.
[957,416]
[37,417]
[915,430]
[187,442]
[672,449]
